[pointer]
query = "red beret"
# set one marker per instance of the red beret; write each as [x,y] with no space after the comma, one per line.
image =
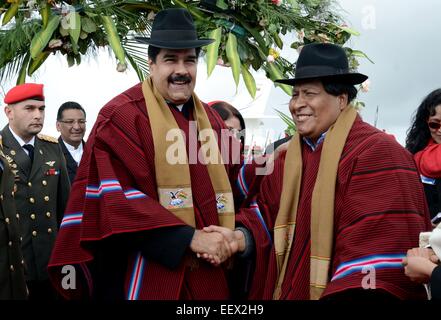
[23,92]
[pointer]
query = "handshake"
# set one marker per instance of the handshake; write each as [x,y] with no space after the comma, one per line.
[216,244]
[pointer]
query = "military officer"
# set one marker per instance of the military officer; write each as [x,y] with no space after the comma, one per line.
[41,179]
[12,279]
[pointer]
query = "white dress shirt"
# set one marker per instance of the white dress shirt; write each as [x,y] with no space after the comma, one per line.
[21,142]
[76,153]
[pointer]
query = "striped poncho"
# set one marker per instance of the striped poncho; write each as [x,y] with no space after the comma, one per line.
[380,210]
[115,197]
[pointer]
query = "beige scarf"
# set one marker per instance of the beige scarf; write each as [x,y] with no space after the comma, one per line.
[173,179]
[322,204]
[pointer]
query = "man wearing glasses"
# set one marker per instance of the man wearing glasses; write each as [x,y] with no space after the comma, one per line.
[71,123]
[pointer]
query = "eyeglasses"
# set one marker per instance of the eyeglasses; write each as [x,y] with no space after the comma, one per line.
[434,125]
[70,123]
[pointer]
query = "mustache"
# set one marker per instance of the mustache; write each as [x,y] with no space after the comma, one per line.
[180,78]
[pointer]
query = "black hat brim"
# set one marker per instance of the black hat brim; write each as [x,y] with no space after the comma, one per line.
[185,44]
[349,78]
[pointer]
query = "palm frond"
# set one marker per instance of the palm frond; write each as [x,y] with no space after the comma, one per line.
[137,56]
[14,47]
[291,126]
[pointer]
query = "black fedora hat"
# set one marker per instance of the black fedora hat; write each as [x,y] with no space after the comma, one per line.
[174,29]
[323,60]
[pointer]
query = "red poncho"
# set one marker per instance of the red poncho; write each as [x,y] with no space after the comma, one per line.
[379,211]
[115,193]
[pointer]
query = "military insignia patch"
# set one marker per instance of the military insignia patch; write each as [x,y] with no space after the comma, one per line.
[52,172]
[50,163]
[12,165]
[47,138]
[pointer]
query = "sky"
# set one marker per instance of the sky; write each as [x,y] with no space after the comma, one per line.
[404,42]
[401,37]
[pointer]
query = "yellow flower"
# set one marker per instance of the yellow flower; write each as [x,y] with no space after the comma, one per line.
[274,53]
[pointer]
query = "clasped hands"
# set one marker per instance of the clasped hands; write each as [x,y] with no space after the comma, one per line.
[216,244]
[419,264]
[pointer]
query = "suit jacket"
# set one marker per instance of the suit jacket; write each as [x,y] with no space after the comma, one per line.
[270,149]
[42,191]
[12,279]
[70,162]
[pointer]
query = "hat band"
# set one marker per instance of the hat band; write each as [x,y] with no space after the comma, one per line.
[319,71]
[173,35]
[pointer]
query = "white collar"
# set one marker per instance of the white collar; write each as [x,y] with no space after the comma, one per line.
[71,148]
[20,140]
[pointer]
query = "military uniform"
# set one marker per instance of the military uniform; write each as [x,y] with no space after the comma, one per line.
[12,279]
[42,191]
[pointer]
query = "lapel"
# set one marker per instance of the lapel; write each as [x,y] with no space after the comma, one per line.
[13,149]
[71,164]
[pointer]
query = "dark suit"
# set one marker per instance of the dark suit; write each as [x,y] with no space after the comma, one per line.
[70,162]
[270,149]
[12,279]
[42,191]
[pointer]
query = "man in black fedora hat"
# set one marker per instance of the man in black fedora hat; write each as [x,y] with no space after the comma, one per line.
[343,204]
[133,225]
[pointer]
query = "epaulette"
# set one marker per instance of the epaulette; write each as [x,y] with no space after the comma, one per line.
[47,138]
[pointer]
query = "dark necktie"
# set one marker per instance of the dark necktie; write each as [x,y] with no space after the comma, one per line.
[30,149]
[185,109]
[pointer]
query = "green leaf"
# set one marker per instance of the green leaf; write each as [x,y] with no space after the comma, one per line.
[276,74]
[349,30]
[291,126]
[63,32]
[233,56]
[12,11]
[70,60]
[41,39]
[36,63]
[74,26]
[213,50]
[113,38]
[91,14]
[361,54]
[277,40]
[198,14]
[250,83]
[45,13]
[221,4]
[22,73]
[88,25]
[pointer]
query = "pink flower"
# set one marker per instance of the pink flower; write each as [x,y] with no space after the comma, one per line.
[277,2]
[270,59]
